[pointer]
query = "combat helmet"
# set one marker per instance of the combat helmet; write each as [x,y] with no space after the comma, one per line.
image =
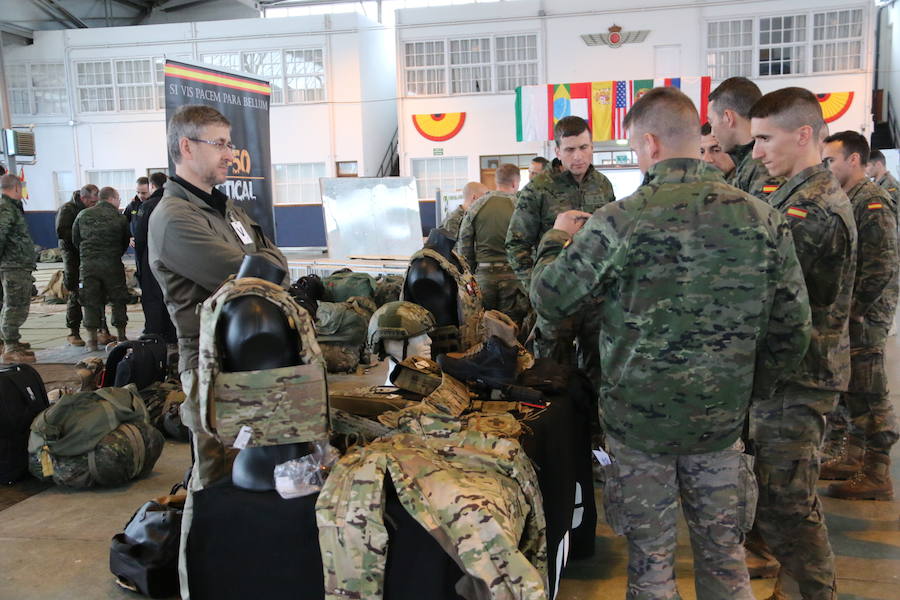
[398,320]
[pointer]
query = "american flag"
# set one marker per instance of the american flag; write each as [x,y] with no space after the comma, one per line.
[620,107]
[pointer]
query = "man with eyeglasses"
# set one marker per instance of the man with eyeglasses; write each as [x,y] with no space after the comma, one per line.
[197,238]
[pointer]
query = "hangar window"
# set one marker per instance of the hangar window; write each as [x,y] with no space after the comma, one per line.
[136,84]
[296,76]
[37,89]
[782,45]
[96,92]
[837,40]
[470,66]
[517,61]
[298,183]
[132,84]
[425,70]
[447,175]
[121,179]
[305,71]
[730,48]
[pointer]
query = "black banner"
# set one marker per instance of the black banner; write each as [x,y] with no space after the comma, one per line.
[245,102]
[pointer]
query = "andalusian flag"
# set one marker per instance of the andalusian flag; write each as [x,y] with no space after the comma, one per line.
[602,110]
[531,113]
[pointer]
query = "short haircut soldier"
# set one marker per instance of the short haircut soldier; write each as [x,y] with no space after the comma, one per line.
[9,182]
[735,93]
[851,142]
[666,112]
[89,190]
[541,161]
[706,129]
[569,126]
[877,156]
[158,179]
[188,122]
[790,108]
[507,174]
[108,193]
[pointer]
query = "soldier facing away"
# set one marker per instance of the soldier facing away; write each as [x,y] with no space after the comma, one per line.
[877,169]
[101,235]
[787,426]
[86,197]
[690,271]
[866,464]
[482,243]
[17,261]
[472,191]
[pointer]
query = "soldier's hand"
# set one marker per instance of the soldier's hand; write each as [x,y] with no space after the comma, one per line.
[571,221]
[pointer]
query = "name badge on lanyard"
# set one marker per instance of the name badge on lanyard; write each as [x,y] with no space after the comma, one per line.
[241,232]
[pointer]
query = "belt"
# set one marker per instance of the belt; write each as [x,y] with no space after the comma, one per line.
[491,265]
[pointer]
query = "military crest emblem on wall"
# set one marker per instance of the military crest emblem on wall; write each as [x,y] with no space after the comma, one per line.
[615,37]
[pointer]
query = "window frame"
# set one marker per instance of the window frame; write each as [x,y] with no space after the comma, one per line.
[157,82]
[30,91]
[809,44]
[126,194]
[300,181]
[440,178]
[281,87]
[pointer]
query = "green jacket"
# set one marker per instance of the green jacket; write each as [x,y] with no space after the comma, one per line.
[101,235]
[16,246]
[824,231]
[484,239]
[892,186]
[65,218]
[875,285]
[750,175]
[703,306]
[539,202]
[452,222]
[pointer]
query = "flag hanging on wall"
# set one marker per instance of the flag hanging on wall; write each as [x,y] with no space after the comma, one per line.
[602,103]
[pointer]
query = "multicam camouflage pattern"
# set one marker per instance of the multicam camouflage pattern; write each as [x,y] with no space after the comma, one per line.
[163,400]
[450,398]
[15,300]
[397,320]
[16,246]
[453,221]
[475,493]
[642,505]
[890,184]
[128,452]
[824,232]
[90,373]
[364,306]
[688,268]
[360,428]
[280,406]
[468,299]
[786,429]
[340,358]
[50,255]
[387,289]
[750,175]
[417,374]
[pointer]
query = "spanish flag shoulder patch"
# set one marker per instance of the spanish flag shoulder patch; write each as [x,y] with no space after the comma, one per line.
[769,188]
[875,205]
[797,212]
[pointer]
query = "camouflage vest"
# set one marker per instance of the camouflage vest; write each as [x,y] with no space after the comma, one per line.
[273,406]
[468,304]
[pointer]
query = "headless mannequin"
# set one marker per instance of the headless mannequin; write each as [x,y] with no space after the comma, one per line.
[253,334]
[428,285]
[419,345]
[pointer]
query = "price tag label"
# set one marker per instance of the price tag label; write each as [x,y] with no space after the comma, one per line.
[602,457]
[243,437]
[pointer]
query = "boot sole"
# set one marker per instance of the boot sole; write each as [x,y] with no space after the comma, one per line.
[880,497]
[838,476]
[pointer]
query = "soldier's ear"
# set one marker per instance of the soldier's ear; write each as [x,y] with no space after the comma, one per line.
[804,135]
[184,145]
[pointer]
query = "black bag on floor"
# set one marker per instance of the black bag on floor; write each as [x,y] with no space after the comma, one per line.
[22,397]
[142,362]
[144,558]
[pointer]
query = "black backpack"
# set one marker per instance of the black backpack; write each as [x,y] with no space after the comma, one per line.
[141,362]
[22,397]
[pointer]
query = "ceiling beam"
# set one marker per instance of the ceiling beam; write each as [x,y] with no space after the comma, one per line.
[70,19]
[135,4]
[15,30]
[172,5]
[53,15]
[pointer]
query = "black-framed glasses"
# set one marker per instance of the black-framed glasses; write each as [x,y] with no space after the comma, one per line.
[220,145]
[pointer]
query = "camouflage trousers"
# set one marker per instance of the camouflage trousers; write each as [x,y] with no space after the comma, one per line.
[640,497]
[572,341]
[871,411]
[72,279]
[102,283]
[15,299]
[787,431]
[501,290]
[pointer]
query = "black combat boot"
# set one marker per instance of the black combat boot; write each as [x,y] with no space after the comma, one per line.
[495,362]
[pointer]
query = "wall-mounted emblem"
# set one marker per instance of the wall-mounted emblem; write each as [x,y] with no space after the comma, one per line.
[439,127]
[616,37]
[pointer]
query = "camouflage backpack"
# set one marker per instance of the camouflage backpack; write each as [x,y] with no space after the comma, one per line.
[50,255]
[56,292]
[469,308]
[272,406]
[344,284]
[95,438]
[341,333]
[387,288]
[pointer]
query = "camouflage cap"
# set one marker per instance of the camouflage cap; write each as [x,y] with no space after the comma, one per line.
[397,321]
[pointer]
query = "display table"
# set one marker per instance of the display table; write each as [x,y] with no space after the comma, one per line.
[257,545]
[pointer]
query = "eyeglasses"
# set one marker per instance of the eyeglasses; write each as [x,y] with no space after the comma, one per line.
[220,145]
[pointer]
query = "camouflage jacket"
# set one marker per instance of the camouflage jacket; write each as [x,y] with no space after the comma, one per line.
[539,202]
[100,234]
[892,186]
[65,218]
[16,246]
[452,222]
[703,305]
[750,175]
[279,406]
[875,286]
[472,244]
[477,494]
[824,232]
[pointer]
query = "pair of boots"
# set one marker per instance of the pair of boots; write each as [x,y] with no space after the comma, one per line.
[17,352]
[96,338]
[864,474]
[103,337]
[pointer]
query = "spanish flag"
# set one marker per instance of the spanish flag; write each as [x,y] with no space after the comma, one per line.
[602,110]
[796,212]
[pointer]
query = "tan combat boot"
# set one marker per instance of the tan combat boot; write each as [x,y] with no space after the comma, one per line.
[103,337]
[872,483]
[74,338]
[840,468]
[14,352]
[92,341]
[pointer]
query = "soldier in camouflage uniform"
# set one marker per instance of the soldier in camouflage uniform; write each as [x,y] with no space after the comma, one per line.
[729,106]
[712,154]
[688,268]
[65,218]
[873,428]
[482,243]
[101,235]
[787,427]
[877,170]
[578,187]
[472,191]
[17,261]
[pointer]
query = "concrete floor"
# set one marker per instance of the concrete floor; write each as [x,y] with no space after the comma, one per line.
[54,543]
